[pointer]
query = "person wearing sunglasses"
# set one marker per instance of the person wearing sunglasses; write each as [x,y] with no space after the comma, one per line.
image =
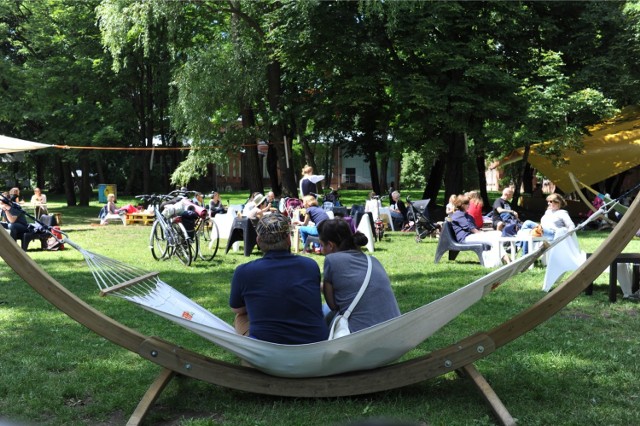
[555,220]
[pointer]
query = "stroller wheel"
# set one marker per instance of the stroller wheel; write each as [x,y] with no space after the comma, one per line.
[418,239]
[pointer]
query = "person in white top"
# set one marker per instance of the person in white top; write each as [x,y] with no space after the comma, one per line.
[257,211]
[39,202]
[555,220]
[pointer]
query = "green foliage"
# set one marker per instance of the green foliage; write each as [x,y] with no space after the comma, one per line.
[413,170]
[196,166]
[505,74]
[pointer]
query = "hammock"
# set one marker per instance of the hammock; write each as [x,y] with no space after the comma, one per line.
[365,349]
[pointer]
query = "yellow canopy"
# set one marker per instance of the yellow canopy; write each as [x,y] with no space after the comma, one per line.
[611,148]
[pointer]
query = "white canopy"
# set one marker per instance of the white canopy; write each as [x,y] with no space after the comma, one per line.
[11,145]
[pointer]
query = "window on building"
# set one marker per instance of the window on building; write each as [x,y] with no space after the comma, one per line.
[350,175]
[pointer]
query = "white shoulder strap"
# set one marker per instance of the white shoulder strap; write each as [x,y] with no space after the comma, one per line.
[363,287]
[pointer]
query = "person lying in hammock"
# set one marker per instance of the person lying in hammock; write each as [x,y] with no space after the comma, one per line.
[279,293]
[345,265]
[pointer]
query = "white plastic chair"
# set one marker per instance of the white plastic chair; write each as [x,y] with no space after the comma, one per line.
[114,216]
[365,227]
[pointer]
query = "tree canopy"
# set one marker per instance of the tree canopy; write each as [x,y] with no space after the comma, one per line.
[444,84]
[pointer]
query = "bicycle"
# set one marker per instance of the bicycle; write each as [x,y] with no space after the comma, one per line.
[168,236]
[204,237]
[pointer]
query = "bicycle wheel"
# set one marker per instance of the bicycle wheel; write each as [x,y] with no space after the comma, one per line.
[158,242]
[208,240]
[182,249]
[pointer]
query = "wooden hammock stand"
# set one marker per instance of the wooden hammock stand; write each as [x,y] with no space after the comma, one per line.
[457,357]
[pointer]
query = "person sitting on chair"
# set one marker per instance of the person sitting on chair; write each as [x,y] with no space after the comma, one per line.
[313,214]
[345,265]
[259,207]
[464,228]
[198,199]
[555,220]
[475,208]
[39,203]
[398,210]
[16,218]
[272,203]
[280,292]
[249,204]
[110,208]
[215,205]
[502,213]
[14,196]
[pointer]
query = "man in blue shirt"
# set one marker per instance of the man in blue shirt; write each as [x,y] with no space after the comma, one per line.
[277,298]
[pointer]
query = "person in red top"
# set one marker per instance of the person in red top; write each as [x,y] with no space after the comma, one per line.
[475,208]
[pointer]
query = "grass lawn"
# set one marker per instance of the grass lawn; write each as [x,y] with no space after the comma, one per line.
[577,368]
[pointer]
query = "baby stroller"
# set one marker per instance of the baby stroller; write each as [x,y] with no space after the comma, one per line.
[418,217]
[289,205]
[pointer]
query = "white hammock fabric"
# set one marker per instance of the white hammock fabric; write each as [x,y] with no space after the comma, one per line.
[564,257]
[369,348]
[564,254]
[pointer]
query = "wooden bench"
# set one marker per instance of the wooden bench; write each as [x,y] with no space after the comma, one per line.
[140,218]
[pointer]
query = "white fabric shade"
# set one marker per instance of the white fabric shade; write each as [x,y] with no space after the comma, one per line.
[12,145]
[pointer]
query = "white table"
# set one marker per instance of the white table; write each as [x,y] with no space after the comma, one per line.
[224,221]
[532,244]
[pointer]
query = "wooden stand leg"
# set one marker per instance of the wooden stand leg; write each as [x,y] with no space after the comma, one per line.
[150,396]
[498,408]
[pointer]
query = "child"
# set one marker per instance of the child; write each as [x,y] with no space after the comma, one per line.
[450,208]
[109,208]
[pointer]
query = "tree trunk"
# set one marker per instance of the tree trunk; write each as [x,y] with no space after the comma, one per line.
[272,167]
[287,174]
[40,172]
[133,172]
[59,172]
[310,159]
[85,187]
[397,165]
[435,180]
[384,170]
[527,179]
[373,171]
[68,184]
[454,174]
[519,177]
[482,178]
[252,169]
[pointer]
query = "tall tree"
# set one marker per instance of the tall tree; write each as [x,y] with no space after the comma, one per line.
[67,94]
